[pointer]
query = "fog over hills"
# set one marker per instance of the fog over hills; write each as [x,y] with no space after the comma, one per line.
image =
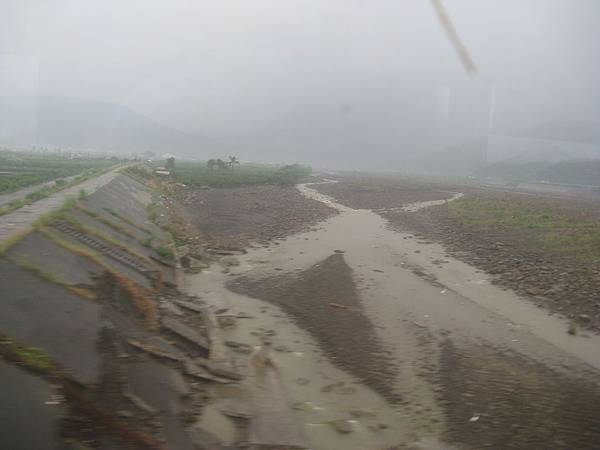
[338,83]
[85,124]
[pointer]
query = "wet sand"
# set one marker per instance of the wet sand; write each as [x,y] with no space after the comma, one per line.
[324,301]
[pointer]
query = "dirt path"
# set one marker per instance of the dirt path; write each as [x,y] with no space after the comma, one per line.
[21,219]
[474,365]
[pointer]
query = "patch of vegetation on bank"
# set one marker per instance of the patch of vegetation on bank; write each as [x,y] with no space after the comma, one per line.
[31,357]
[199,174]
[551,229]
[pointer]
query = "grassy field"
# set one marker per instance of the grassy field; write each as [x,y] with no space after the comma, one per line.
[22,169]
[539,225]
[46,191]
[568,172]
[198,174]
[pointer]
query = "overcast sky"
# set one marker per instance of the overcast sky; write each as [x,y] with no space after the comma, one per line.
[275,69]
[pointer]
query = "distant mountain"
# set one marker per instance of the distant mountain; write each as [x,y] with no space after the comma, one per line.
[84,124]
[584,132]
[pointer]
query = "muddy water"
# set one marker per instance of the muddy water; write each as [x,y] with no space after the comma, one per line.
[321,394]
[420,300]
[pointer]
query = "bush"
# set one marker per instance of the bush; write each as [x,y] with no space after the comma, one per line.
[165,252]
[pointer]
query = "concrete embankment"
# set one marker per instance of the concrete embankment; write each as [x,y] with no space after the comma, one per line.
[97,347]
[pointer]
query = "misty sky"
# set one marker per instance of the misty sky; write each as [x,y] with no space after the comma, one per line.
[320,74]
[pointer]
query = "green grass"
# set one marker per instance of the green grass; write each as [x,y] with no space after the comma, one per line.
[147,242]
[198,174]
[56,215]
[114,213]
[6,244]
[40,272]
[569,172]
[23,169]
[111,211]
[165,251]
[115,226]
[543,227]
[31,357]
[47,191]
[153,210]
[105,237]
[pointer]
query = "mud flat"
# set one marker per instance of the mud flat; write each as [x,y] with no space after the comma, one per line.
[461,354]
[331,406]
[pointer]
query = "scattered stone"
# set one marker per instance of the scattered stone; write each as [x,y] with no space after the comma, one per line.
[183,331]
[125,414]
[190,306]
[226,321]
[342,426]
[229,261]
[192,369]
[239,347]
[362,412]
[332,386]
[155,351]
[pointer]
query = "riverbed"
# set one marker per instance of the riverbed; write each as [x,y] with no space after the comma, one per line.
[473,365]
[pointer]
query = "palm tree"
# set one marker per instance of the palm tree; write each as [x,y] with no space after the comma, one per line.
[232,161]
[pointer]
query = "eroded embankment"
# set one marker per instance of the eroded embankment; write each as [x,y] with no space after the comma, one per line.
[96,341]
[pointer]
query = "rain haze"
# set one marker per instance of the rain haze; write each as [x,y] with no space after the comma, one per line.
[346,84]
[300,224]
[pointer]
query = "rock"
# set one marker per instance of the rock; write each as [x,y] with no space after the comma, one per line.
[342,426]
[192,264]
[183,331]
[125,414]
[226,321]
[229,261]
[362,412]
[190,306]
[239,347]
[584,317]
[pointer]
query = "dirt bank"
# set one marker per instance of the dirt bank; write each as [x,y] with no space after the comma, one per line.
[324,300]
[234,217]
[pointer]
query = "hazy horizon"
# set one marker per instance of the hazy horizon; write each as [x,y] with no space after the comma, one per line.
[348,82]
